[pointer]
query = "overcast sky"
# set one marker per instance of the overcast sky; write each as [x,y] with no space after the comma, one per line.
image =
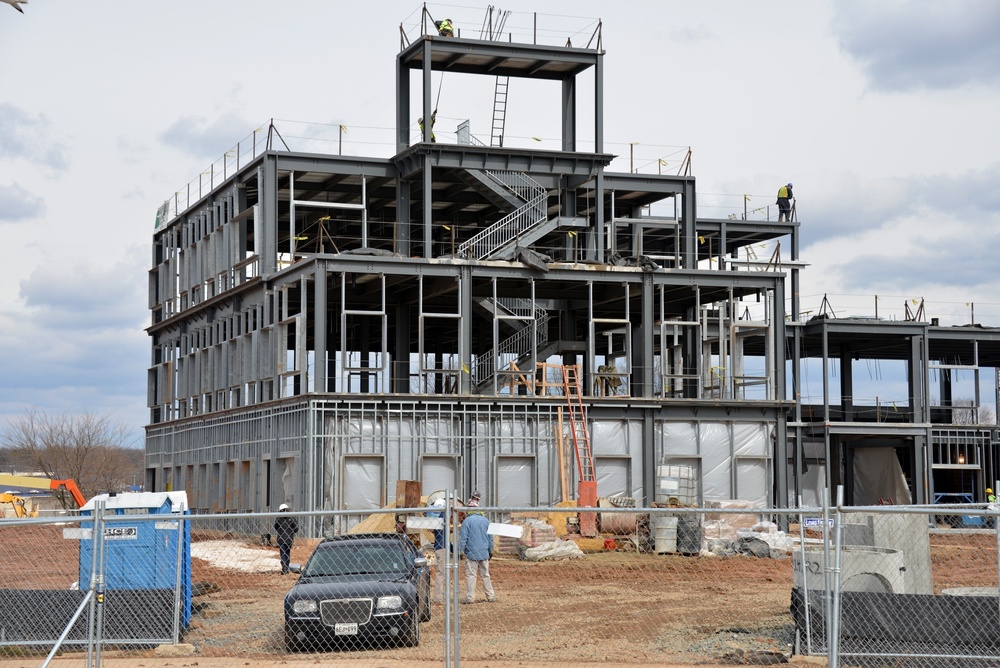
[883,114]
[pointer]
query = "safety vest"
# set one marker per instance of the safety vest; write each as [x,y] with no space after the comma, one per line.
[783,192]
[445,27]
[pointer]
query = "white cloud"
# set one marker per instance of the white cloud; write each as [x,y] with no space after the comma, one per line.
[30,137]
[18,204]
[906,45]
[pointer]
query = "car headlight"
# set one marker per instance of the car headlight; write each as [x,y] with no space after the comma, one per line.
[389,602]
[304,605]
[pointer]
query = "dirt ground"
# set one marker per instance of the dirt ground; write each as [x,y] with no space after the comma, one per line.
[611,607]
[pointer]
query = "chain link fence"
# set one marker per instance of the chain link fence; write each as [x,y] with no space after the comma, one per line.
[885,586]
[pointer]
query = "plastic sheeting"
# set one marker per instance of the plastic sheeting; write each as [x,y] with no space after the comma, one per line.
[510,455]
[878,476]
[734,457]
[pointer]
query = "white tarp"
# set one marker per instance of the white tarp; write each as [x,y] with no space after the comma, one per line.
[878,476]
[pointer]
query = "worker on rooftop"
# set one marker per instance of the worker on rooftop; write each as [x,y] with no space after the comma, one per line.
[445,28]
[785,203]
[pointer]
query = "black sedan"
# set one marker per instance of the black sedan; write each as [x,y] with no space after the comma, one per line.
[360,589]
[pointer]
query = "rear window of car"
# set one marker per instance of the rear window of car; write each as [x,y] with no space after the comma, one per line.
[337,559]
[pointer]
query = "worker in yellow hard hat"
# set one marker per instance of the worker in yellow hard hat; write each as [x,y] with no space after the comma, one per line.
[990,496]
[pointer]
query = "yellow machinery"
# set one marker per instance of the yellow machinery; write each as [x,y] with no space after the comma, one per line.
[12,505]
[31,482]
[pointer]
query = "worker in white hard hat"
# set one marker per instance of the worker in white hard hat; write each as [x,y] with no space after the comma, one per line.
[785,202]
[285,528]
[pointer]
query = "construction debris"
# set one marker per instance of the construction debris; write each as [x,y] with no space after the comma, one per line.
[560,549]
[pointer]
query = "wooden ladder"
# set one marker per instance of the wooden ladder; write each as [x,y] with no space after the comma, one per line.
[581,445]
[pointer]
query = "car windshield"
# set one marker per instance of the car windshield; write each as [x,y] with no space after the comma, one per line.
[342,559]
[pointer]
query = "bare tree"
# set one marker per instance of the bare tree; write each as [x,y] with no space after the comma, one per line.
[91,449]
[963,412]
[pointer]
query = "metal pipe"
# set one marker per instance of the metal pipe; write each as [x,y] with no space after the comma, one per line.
[101,587]
[805,581]
[177,581]
[87,600]
[91,589]
[834,644]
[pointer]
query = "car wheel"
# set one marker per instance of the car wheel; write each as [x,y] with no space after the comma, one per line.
[412,636]
[425,609]
[291,644]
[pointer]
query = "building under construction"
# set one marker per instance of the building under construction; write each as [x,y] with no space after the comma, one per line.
[518,321]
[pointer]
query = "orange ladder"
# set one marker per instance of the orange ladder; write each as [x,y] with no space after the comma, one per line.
[581,445]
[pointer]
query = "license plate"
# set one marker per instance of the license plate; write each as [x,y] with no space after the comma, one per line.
[345,629]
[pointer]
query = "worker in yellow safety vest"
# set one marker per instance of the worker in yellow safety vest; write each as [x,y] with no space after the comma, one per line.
[445,28]
[785,203]
[420,122]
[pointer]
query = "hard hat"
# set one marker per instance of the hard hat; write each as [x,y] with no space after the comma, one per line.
[475,495]
[283,506]
[789,184]
[989,491]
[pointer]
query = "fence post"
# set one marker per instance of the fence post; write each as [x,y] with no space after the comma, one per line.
[101,585]
[178,579]
[996,528]
[834,641]
[805,583]
[455,578]
[97,514]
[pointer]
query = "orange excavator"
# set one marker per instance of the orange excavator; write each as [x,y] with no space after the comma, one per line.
[31,482]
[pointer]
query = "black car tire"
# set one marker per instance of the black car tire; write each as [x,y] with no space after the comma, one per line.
[291,644]
[425,609]
[412,636]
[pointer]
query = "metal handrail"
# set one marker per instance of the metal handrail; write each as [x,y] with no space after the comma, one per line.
[505,230]
[516,345]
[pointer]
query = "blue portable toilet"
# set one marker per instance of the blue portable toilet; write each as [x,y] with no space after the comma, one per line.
[142,556]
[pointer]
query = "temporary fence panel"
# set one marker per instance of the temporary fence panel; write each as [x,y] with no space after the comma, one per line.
[861,586]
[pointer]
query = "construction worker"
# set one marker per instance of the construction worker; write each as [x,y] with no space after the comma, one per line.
[420,122]
[285,528]
[990,496]
[785,203]
[476,544]
[445,28]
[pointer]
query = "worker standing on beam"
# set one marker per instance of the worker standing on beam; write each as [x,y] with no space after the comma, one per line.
[785,203]
[420,122]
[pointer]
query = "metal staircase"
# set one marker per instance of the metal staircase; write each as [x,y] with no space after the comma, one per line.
[533,335]
[498,240]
